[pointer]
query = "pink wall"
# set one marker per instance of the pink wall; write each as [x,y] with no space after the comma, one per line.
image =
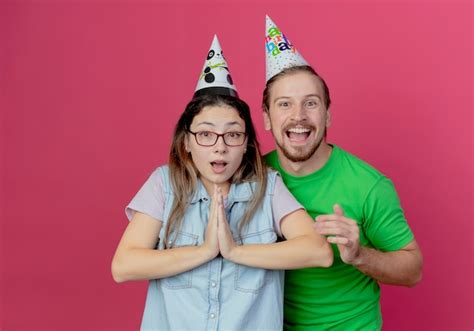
[90,92]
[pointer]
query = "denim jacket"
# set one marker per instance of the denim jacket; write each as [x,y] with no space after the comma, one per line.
[218,295]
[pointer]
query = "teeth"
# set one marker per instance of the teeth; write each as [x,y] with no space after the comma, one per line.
[299,130]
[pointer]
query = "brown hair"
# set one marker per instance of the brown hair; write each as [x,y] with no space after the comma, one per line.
[184,174]
[292,70]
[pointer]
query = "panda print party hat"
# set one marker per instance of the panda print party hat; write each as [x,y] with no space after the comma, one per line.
[280,52]
[215,77]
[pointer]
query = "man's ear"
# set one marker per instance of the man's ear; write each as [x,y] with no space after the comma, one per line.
[328,118]
[266,120]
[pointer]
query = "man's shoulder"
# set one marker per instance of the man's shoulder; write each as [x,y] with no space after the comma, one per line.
[356,165]
[341,160]
[272,154]
[271,158]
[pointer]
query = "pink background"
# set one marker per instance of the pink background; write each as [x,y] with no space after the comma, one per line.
[90,92]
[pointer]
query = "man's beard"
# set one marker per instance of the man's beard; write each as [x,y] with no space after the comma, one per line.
[299,155]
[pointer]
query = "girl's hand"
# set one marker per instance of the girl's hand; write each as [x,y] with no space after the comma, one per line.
[211,243]
[226,241]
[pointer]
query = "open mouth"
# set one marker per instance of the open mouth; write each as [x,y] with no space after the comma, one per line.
[298,134]
[218,166]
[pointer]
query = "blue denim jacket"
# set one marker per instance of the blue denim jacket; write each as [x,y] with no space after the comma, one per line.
[218,295]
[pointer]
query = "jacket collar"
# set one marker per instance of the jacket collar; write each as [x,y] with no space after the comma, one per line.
[238,193]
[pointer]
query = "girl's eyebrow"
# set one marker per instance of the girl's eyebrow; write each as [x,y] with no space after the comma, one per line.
[205,123]
[226,124]
[233,123]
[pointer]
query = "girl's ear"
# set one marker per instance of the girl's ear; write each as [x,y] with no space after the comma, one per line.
[186,144]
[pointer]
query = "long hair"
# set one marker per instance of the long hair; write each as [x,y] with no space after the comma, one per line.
[184,174]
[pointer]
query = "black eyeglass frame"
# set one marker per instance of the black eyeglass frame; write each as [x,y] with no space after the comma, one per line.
[218,135]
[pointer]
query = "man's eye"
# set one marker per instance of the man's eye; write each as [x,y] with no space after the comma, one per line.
[284,104]
[311,103]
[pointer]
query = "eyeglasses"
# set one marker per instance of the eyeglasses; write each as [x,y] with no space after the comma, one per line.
[209,138]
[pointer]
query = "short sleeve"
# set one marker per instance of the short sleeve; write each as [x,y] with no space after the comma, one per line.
[283,203]
[150,199]
[385,224]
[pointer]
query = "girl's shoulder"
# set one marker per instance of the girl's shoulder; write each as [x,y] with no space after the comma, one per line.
[162,176]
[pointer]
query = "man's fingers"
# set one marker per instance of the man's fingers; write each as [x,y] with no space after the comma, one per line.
[338,229]
[338,210]
[335,218]
[336,223]
[339,241]
[334,231]
[328,217]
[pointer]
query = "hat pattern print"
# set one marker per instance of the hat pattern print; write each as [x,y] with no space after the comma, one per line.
[215,77]
[280,52]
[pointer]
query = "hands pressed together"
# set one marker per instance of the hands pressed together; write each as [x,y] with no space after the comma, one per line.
[340,230]
[218,237]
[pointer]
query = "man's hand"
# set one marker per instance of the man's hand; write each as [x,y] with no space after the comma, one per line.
[342,231]
[399,267]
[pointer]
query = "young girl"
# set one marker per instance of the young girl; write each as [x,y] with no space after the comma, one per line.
[204,229]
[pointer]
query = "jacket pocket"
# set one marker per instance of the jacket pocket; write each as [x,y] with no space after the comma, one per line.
[249,279]
[184,279]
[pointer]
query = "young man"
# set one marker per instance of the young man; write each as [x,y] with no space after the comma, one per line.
[353,204]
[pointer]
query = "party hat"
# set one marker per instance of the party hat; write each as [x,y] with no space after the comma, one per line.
[215,77]
[281,54]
